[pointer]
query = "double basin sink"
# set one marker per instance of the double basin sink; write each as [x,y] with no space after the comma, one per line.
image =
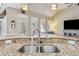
[41,49]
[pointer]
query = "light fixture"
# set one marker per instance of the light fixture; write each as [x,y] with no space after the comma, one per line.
[54,7]
[24,7]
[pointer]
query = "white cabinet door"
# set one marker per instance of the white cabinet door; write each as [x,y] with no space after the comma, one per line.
[3,26]
[23,25]
[43,27]
[34,24]
[0,26]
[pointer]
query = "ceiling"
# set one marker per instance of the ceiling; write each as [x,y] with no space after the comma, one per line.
[43,8]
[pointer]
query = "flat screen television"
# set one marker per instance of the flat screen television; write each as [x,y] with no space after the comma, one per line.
[71,24]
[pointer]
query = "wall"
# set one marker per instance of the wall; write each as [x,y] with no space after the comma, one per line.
[12,15]
[65,14]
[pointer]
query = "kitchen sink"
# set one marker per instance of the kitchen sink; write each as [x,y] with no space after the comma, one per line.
[43,49]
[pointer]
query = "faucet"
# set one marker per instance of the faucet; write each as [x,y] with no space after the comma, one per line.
[32,40]
[37,31]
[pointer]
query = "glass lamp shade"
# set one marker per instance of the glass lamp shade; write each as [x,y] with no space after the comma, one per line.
[53,7]
[24,7]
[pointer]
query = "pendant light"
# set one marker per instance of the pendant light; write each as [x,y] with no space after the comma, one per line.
[24,8]
[54,7]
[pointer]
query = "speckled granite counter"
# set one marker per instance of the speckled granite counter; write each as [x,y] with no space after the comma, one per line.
[12,50]
[59,42]
[42,37]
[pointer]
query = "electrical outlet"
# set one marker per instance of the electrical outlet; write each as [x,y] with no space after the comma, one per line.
[8,42]
[71,42]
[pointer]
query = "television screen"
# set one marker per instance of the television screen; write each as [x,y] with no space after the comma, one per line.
[71,24]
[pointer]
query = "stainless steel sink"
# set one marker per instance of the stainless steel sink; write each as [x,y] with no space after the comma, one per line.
[30,49]
[43,49]
[49,49]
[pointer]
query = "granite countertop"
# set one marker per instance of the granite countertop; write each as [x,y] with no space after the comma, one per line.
[12,50]
[46,37]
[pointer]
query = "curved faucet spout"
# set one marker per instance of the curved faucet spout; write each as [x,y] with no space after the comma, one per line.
[36,31]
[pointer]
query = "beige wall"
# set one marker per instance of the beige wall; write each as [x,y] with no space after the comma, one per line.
[11,15]
[66,14]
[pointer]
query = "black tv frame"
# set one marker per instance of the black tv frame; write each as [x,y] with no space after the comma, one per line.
[71,24]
